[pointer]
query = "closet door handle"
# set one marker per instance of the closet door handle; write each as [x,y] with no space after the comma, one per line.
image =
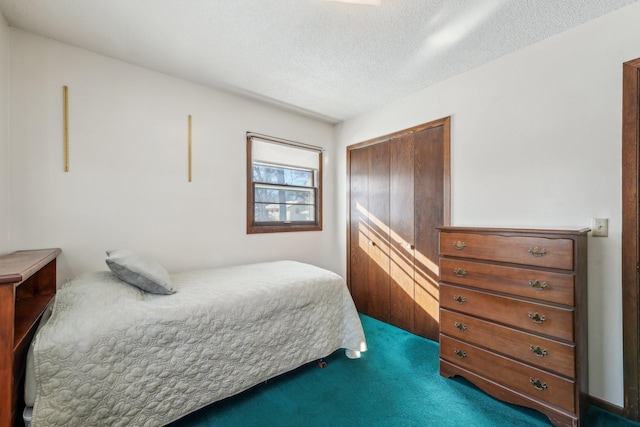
[410,246]
[372,243]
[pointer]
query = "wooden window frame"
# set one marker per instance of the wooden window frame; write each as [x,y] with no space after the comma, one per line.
[254,227]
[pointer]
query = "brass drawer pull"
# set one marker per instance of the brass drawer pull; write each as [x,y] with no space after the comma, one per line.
[537,252]
[459,299]
[537,384]
[461,326]
[459,245]
[537,285]
[461,354]
[538,351]
[460,272]
[536,318]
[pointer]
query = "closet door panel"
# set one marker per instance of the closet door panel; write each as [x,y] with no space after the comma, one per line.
[359,228]
[429,214]
[401,224]
[399,194]
[378,231]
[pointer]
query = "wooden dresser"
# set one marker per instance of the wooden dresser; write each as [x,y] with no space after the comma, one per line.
[27,286]
[513,316]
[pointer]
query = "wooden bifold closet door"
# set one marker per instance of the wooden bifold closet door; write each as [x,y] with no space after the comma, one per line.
[398,196]
[370,235]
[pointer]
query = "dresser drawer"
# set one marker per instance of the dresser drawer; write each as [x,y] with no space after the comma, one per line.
[528,348]
[536,251]
[543,285]
[534,317]
[518,376]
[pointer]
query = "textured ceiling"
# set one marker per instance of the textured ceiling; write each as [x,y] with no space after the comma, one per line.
[328,59]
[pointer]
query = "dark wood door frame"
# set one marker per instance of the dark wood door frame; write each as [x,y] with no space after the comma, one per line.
[630,224]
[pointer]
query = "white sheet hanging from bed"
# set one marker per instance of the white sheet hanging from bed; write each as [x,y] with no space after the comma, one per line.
[114,355]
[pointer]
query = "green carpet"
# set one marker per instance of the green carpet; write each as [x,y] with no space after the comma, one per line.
[395,383]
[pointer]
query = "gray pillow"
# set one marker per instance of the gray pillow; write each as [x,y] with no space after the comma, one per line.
[141,272]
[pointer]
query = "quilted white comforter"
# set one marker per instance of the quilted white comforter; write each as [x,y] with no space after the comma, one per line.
[114,355]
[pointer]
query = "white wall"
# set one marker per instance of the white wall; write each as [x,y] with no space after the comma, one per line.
[536,141]
[4,137]
[127,185]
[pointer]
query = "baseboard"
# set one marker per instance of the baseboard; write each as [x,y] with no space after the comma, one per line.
[610,407]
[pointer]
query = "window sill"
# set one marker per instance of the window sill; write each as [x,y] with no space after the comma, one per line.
[258,229]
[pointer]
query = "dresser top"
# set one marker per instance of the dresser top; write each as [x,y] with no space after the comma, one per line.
[515,230]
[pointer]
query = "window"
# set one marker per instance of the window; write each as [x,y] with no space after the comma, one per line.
[284,185]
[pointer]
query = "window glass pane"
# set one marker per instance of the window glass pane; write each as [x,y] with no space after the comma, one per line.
[274,194]
[273,212]
[281,204]
[271,174]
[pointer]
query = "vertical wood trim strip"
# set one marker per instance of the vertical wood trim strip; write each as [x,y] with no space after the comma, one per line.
[319,191]
[348,212]
[630,238]
[190,150]
[65,115]
[446,182]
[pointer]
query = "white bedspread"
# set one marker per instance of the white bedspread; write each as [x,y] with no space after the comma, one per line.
[113,355]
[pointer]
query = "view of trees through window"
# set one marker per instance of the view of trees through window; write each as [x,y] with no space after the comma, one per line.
[283,194]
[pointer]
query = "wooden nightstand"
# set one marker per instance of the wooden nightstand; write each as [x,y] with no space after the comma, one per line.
[27,286]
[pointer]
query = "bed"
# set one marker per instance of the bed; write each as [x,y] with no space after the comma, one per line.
[113,354]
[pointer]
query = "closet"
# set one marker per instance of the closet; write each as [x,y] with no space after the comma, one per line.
[398,196]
